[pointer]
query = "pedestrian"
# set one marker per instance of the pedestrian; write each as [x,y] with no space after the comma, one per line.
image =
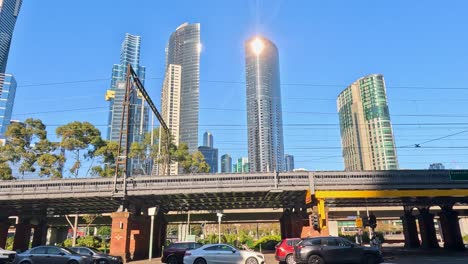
[375,242]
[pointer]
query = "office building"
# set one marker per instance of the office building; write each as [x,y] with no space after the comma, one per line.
[183,49]
[208,139]
[211,157]
[9,11]
[226,163]
[7,99]
[437,166]
[366,131]
[288,162]
[242,165]
[264,114]
[139,114]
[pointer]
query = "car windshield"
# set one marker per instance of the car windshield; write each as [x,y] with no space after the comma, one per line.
[70,251]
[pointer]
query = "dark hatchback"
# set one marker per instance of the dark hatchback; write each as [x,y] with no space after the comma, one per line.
[98,256]
[174,253]
[336,250]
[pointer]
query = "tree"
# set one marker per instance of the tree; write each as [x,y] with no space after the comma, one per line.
[77,137]
[27,145]
[195,163]
[107,153]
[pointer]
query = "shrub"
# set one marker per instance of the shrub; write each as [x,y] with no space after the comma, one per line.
[267,242]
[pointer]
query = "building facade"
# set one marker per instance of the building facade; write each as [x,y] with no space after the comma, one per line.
[437,166]
[241,166]
[366,131]
[184,49]
[288,162]
[170,108]
[211,157]
[139,114]
[7,100]
[208,139]
[226,163]
[264,113]
[9,11]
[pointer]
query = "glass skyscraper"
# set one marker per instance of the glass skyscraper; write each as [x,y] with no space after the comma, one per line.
[211,157]
[264,114]
[226,163]
[9,10]
[7,99]
[208,139]
[366,130]
[183,49]
[288,162]
[129,54]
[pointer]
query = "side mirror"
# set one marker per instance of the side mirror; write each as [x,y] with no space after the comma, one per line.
[91,253]
[234,251]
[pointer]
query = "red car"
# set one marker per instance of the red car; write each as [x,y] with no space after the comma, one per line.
[285,250]
[174,253]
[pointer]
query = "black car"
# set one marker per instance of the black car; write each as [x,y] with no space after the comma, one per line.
[174,253]
[325,250]
[98,256]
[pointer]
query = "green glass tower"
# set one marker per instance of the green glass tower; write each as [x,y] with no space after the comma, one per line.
[366,131]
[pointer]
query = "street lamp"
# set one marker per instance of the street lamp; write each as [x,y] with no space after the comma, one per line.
[152,212]
[220,215]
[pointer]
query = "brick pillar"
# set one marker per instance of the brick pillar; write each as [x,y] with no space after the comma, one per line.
[120,235]
[285,223]
[427,229]
[22,234]
[139,237]
[40,233]
[297,223]
[451,229]
[4,226]
[410,230]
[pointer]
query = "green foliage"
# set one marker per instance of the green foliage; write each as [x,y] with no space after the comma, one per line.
[68,242]
[87,241]
[27,146]
[465,239]
[79,136]
[267,242]
[195,163]
[104,231]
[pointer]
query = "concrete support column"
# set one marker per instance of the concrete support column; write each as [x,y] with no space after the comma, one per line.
[40,233]
[159,235]
[451,229]
[410,230]
[22,234]
[4,226]
[120,235]
[427,229]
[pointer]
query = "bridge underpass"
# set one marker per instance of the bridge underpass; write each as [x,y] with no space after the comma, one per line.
[35,200]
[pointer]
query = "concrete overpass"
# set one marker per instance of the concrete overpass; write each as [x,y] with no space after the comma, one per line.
[127,199]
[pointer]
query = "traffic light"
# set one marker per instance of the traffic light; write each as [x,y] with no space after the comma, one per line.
[315,222]
[365,221]
[372,221]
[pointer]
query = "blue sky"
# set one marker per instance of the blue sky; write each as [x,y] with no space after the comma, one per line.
[323,46]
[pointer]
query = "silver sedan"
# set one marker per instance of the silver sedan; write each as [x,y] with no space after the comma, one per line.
[222,253]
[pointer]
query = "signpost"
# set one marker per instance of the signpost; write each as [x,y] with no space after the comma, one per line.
[359,222]
[152,212]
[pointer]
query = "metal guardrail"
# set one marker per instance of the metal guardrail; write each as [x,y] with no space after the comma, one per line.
[330,180]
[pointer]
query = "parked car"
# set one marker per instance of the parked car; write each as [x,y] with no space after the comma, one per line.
[174,253]
[98,256]
[325,250]
[284,252]
[222,253]
[6,256]
[51,254]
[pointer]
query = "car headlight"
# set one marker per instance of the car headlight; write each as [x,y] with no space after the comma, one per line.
[114,258]
[260,256]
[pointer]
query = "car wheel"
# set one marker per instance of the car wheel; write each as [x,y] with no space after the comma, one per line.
[25,262]
[72,262]
[251,260]
[314,259]
[290,259]
[199,261]
[172,260]
[370,259]
[102,261]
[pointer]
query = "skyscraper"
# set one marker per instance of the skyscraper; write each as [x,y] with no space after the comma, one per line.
[242,165]
[183,49]
[211,157]
[366,130]
[7,99]
[170,107]
[9,10]
[208,139]
[288,162]
[226,163]
[264,114]
[129,54]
